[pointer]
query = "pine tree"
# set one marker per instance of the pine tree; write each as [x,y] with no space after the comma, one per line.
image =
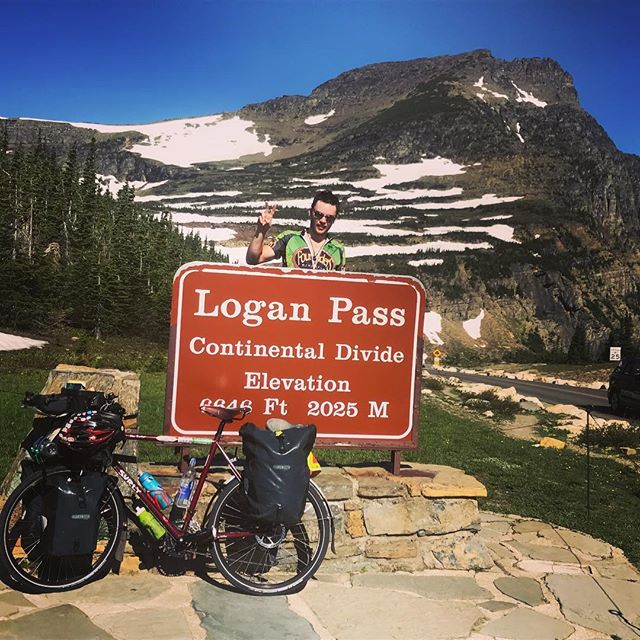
[72,255]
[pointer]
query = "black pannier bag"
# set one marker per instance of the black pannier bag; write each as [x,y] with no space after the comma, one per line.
[72,509]
[276,476]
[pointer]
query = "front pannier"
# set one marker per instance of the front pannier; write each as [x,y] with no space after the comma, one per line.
[276,476]
[72,508]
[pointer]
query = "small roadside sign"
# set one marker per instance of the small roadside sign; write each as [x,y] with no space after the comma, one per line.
[615,353]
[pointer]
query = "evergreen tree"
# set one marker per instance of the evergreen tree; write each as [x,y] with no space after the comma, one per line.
[74,256]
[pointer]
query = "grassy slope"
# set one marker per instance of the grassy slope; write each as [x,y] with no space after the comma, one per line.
[549,484]
[543,483]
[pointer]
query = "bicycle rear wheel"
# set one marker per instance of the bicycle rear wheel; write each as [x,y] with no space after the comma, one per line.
[277,560]
[24,552]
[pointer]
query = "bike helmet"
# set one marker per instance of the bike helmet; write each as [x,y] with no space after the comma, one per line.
[91,430]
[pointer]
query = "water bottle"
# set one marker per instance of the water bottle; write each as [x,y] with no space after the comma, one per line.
[181,501]
[154,489]
[150,523]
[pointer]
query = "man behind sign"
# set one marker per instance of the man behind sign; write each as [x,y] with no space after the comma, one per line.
[310,248]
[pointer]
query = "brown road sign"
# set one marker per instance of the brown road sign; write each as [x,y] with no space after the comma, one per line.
[340,350]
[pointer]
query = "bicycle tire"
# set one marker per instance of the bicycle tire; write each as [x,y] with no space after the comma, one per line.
[23,550]
[274,562]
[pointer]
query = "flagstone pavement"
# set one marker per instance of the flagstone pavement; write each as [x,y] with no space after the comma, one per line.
[547,583]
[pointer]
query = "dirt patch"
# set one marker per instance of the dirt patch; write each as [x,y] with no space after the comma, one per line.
[523,426]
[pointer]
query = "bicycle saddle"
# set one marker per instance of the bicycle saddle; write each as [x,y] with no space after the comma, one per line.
[226,414]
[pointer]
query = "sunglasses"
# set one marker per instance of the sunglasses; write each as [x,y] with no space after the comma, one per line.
[318,215]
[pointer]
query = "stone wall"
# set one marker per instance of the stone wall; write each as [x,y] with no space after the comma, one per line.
[389,523]
[428,520]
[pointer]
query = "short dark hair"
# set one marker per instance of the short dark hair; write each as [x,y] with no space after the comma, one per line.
[328,197]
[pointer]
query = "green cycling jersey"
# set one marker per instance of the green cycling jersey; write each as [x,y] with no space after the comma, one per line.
[296,251]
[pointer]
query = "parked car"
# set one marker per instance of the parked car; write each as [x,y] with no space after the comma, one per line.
[624,385]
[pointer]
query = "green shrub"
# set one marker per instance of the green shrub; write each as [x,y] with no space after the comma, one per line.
[612,435]
[433,383]
[503,408]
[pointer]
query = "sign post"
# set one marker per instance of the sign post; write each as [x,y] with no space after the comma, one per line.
[340,350]
[615,354]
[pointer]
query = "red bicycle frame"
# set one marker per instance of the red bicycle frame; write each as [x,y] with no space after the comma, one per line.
[214,445]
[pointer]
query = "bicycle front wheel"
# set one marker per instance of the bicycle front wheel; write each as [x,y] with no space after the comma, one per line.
[24,549]
[277,560]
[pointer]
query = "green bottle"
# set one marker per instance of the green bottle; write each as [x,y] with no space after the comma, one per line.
[150,523]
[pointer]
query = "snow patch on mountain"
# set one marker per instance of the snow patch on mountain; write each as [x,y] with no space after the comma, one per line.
[486,199]
[500,231]
[404,249]
[480,84]
[112,185]
[311,120]
[426,261]
[215,234]
[433,327]
[505,217]
[472,326]
[525,96]
[410,194]
[318,181]
[399,173]
[10,342]
[182,196]
[189,141]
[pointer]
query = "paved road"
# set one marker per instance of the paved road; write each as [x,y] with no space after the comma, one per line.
[595,399]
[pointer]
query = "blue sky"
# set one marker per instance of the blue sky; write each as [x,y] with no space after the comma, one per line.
[138,61]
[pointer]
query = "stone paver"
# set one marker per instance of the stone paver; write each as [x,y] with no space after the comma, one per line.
[526,590]
[114,591]
[226,615]
[494,530]
[497,605]
[432,587]
[586,544]
[530,526]
[64,621]
[543,552]
[11,602]
[373,614]
[524,624]
[500,553]
[589,602]
[167,623]
[544,566]
[572,580]
[616,569]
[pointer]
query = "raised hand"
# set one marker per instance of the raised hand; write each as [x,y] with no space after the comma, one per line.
[266,217]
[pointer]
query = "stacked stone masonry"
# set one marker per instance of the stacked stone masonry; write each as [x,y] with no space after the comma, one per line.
[389,523]
[384,522]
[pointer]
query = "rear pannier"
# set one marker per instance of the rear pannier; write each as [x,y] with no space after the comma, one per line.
[276,476]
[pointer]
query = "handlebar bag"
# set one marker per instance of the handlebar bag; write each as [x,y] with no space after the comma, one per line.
[65,402]
[275,477]
[72,507]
